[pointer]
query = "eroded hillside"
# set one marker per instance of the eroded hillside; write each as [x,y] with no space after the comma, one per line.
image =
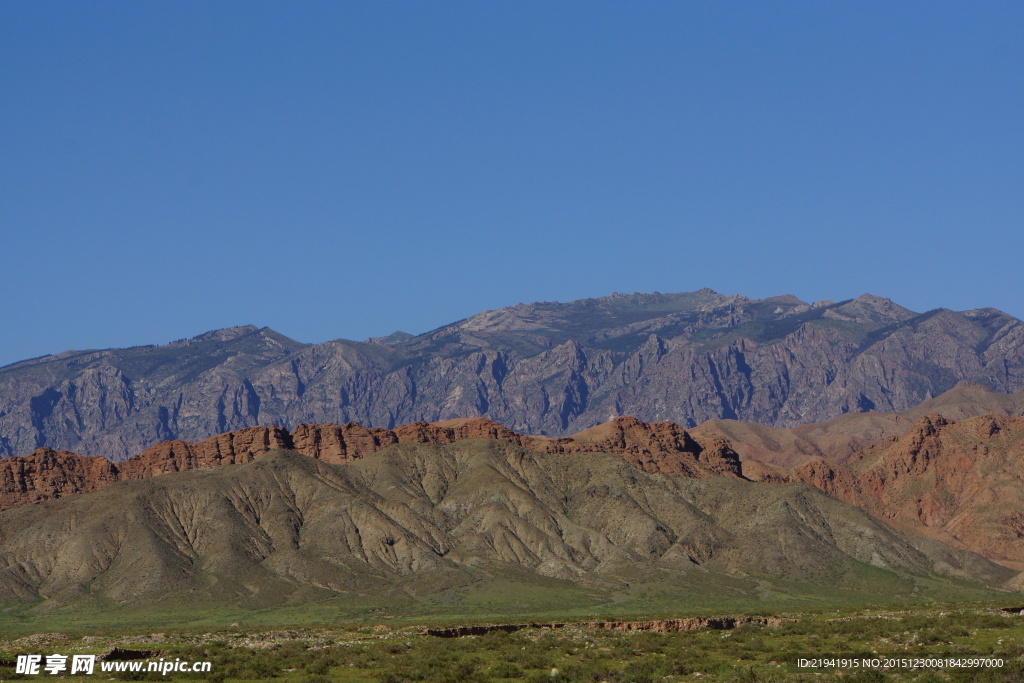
[424,518]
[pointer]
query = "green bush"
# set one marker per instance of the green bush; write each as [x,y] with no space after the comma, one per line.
[506,670]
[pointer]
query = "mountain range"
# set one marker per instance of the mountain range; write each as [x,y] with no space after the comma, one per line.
[545,368]
[957,481]
[427,522]
[602,451]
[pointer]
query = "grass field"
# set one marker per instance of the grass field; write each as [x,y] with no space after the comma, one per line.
[393,650]
[516,596]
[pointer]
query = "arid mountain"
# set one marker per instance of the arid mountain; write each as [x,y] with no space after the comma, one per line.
[959,482]
[545,368]
[416,520]
[662,447]
[839,439]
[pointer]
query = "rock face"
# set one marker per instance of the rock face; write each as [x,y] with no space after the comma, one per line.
[959,482]
[544,368]
[46,474]
[662,447]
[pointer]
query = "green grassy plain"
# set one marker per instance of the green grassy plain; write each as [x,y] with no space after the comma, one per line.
[374,647]
[507,595]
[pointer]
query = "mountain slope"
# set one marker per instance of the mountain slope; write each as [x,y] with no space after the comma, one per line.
[414,520]
[545,368]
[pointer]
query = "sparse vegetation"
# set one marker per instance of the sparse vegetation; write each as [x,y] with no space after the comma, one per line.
[401,653]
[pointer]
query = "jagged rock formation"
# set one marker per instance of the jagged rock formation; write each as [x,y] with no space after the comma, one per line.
[46,474]
[545,368]
[959,482]
[414,520]
[662,447]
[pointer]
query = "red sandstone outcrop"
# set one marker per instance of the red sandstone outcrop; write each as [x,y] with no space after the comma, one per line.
[232,448]
[957,482]
[763,448]
[661,447]
[340,443]
[45,474]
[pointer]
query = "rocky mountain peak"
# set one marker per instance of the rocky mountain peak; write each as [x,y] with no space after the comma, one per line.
[868,308]
[226,334]
[515,318]
[785,299]
[396,337]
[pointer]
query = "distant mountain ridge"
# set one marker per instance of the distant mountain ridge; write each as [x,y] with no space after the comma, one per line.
[543,368]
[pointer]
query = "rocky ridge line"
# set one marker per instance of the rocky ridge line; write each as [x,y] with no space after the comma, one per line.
[544,368]
[662,447]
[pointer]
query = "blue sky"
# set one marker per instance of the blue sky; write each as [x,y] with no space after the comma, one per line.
[347,169]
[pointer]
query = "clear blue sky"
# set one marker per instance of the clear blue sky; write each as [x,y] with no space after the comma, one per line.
[336,169]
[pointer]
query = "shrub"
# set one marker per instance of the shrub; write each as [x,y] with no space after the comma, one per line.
[506,670]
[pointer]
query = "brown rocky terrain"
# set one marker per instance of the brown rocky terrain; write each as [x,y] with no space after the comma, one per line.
[652,625]
[661,447]
[544,368]
[839,439]
[960,482]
